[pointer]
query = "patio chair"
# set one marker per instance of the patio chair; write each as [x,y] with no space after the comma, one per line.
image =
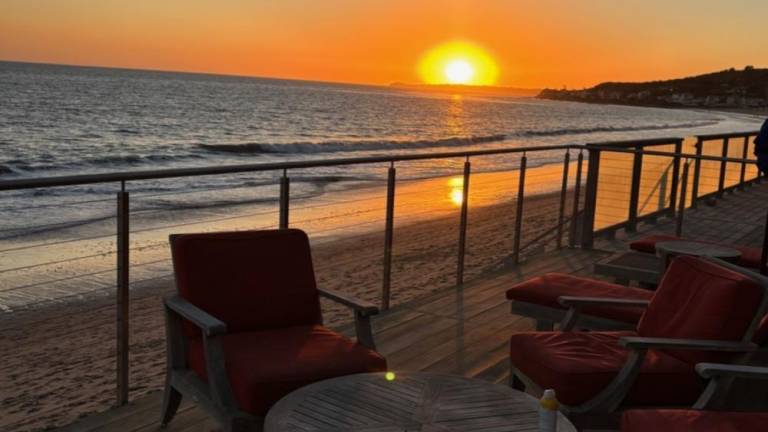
[703,418]
[246,327]
[704,310]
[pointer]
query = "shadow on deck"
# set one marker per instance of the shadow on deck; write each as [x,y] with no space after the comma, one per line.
[465,331]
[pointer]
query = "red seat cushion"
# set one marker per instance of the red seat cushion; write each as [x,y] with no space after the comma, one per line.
[750,256]
[697,299]
[692,421]
[251,280]
[264,366]
[578,365]
[545,290]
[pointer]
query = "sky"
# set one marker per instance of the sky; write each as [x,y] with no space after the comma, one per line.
[534,43]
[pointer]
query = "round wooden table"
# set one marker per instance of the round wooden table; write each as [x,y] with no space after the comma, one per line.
[669,249]
[408,402]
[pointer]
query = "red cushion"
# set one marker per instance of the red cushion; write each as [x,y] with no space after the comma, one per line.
[761,334]
[692,421]
[578,365]
[251,280]
[264,366]
[750,256]
[545,290]
[697,299]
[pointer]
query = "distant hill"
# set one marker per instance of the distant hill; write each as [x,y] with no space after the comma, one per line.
[468,90]
[730,89]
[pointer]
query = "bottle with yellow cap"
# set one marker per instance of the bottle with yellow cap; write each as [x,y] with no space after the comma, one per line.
[548,406]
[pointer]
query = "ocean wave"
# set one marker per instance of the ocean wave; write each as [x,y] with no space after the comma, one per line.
[6,170]
[19,166]
[602,129]
[348,146]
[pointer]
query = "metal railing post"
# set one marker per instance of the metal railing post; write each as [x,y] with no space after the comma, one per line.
[675,178]
[723,166]
[463,225]
[590,200]
[576,199]
[744,155]
[123,295]
[388,238]
[563,196]
[681,209]
[634,194]
[696,174]
[285,191]
[519,210]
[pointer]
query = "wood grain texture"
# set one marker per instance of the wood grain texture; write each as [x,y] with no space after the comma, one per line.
[410,402]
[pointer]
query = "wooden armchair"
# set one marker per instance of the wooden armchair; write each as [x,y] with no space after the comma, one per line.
[246,327]
[704,310]
[704,417]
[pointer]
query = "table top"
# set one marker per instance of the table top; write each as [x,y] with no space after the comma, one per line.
[632,265]
[408,402]
[698,249]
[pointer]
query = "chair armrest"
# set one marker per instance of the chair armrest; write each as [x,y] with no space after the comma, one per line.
[363,307]
[644,343]
[575,302]
[210,325]
[710,370]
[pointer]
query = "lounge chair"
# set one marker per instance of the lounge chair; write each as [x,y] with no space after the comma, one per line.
[704,310]
[703,419]
[751,257]
[246,327]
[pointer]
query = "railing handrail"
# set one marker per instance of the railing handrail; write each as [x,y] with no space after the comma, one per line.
[124,176]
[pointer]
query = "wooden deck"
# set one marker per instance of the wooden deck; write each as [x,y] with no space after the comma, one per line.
[465,331]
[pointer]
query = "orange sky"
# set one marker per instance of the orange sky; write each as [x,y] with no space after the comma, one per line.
[536,43]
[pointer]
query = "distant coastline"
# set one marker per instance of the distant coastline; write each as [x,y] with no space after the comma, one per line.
[744,91]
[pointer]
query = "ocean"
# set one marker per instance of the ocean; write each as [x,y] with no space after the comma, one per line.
[63,120]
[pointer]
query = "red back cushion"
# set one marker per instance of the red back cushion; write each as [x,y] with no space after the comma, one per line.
[251,280]
[697,299]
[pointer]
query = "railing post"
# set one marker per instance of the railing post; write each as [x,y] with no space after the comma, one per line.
[285,191]
[681,209]
[744,155]
[696,174]
[576,199]
[123,297]
[463,225]
[590,200]
[388,237]
[675,178]
[723,166]
[634,194]
[519,210]
[563,196]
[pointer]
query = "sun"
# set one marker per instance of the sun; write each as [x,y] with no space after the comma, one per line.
[459,72]
[458,62]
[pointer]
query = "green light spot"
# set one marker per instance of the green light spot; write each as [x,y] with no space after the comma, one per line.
[390,376]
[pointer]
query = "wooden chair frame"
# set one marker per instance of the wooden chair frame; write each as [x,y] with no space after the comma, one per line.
[215,396]
[610,399]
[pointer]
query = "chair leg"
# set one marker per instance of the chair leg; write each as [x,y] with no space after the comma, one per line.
[171,402]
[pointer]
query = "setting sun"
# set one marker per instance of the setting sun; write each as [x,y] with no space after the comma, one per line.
[458,62]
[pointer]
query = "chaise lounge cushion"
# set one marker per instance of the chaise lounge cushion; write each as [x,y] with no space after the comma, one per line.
[750,256]
[545,290]
[578,365]
[692,421]
[264,366]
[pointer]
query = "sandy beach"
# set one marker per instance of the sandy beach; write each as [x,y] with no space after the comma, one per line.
[66,350]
